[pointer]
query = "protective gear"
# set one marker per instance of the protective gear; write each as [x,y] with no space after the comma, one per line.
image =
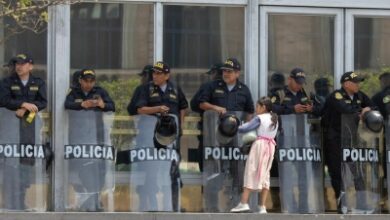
[373,120]
[165,131]
[227,128]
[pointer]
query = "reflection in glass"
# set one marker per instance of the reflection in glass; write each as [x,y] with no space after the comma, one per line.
[116,40]
[301,41]
[372,50]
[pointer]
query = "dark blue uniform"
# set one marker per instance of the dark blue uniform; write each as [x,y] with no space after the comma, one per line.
[77,96]
[15,93]
[238,99]
[132,108]
[283,101]
[338,103]
[173,97]
[382,101]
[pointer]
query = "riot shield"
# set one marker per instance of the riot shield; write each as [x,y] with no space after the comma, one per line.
[387,158]
[360,189]
[223,167]
[24,181]
[89,162]
[154,179]
[300,165]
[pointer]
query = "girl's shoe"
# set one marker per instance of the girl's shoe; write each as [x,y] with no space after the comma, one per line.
[241,207]
[262,210]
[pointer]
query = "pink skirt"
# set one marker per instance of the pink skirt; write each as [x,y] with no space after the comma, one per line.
[258,164]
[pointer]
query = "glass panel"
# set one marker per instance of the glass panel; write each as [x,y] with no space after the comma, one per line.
[25,183]
[301,41]
[372,50]
[115,40]
[195,38]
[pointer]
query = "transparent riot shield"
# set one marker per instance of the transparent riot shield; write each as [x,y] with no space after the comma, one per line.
[300,165]
[360,190]
[223,167]
[154,177]
[23,152]
[387,159]
[89,162]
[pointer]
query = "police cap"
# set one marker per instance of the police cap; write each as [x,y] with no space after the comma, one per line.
[298,74]
[231,64]
[351,76]
[23,58]
[87,74]
[161,67]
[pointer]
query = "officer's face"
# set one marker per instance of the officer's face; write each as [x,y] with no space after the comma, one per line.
[293,85]
[23,69]
[352,87]
[230,76]
[160,78]
[87,84]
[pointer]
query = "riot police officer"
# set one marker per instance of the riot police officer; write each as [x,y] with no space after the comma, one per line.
[82,98]
[222,96]
[89,96]
[26,95]
[160,97]
[346,100]
[293,98]
[146,76]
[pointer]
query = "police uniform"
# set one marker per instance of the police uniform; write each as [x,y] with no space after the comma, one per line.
[77,96]
[146,72]
[382,101]
[14,94]
[283,101]
[338,103]
[238,99]
[151,95]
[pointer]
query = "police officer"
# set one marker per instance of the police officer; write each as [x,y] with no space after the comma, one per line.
[293,98]
[346,100]
[88,95]
[146,76]
[228,93]
[382,98]
[321,88]
[222,95]
[215,73]
[26,95]
[161,96]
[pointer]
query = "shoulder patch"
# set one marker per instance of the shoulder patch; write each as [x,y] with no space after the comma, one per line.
[338,96]
[273,99]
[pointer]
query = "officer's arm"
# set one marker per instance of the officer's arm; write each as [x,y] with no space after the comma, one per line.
[367,102]
[41,98]
[109,105]
[249,105]
[131,108]
[7,100]
[70,102]
[276,106]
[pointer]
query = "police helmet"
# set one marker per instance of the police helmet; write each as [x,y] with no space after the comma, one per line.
[373,120]
[165,131]
[227,128]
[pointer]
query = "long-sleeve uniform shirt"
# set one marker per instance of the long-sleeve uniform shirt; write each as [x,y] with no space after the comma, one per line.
[77,96]
[237,99]
[15,93]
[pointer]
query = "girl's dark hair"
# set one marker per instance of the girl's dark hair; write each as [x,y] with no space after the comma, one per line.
[265,101]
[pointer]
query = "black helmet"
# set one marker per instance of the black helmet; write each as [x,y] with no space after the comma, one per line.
[373,120]
[166,130]
[227,128]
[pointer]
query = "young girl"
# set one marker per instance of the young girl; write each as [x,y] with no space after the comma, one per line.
[258,164]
